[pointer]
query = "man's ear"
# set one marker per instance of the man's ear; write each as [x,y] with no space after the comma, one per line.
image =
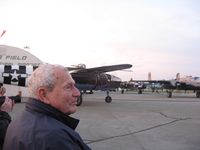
[42,95]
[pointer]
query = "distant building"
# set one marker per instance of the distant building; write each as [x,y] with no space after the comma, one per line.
[16,56]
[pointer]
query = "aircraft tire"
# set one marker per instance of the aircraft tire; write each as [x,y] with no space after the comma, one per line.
[197,94]
[122,92]
[79,100]
[169,94]
[140,91]
[108,99]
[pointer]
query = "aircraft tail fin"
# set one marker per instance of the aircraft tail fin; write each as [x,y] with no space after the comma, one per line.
[149,76]
[178,76]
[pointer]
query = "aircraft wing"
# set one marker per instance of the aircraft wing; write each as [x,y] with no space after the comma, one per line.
[152,81]
[166,84]
[104,69]
[72,68]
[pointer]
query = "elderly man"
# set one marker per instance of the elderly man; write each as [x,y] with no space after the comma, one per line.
[45,123]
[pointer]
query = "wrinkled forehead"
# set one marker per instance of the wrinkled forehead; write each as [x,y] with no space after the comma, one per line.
[63,75]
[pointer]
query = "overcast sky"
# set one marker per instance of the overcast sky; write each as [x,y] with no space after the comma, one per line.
[157,36]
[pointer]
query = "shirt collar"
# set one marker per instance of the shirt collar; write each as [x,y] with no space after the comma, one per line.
[38,106]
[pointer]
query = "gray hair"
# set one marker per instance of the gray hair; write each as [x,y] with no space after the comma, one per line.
[43,76]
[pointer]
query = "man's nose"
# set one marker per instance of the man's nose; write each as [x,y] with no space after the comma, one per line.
[76,92]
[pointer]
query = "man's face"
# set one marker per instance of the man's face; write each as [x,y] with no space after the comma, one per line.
[64,95]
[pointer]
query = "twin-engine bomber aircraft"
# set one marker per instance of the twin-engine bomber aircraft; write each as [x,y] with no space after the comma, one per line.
[86,79]
[179,83]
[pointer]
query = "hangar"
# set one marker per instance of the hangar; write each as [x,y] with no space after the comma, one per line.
[10,55]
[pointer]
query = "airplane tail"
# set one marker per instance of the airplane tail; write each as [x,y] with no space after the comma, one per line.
[178,76]
[149,76]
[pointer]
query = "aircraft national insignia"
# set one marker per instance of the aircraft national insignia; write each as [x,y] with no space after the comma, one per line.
[15,75]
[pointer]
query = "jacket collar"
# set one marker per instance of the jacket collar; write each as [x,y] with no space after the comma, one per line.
[38,106]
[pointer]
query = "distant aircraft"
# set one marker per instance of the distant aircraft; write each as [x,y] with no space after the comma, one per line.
[184,83]
[86,79]
[133,85]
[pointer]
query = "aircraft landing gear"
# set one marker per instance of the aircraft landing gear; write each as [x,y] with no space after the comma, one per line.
[108,98]
[169,94]
[198,94]
[122,91]
[79,100]
[139,91]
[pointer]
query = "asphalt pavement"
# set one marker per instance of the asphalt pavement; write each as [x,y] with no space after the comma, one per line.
[132,121]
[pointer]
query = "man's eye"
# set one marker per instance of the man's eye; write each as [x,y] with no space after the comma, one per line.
[68,87]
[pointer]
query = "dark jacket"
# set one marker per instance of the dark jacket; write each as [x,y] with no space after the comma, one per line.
[4,122]
[42,127]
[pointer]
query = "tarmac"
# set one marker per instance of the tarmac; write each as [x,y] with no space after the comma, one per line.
[148,121]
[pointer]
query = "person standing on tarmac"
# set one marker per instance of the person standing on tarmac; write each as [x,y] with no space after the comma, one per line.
[5,118]
[46,123]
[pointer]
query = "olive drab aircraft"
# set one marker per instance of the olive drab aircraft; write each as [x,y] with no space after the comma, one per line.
[85,78]
[179,83]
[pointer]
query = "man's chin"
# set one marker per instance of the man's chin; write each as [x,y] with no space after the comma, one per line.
[73,109]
